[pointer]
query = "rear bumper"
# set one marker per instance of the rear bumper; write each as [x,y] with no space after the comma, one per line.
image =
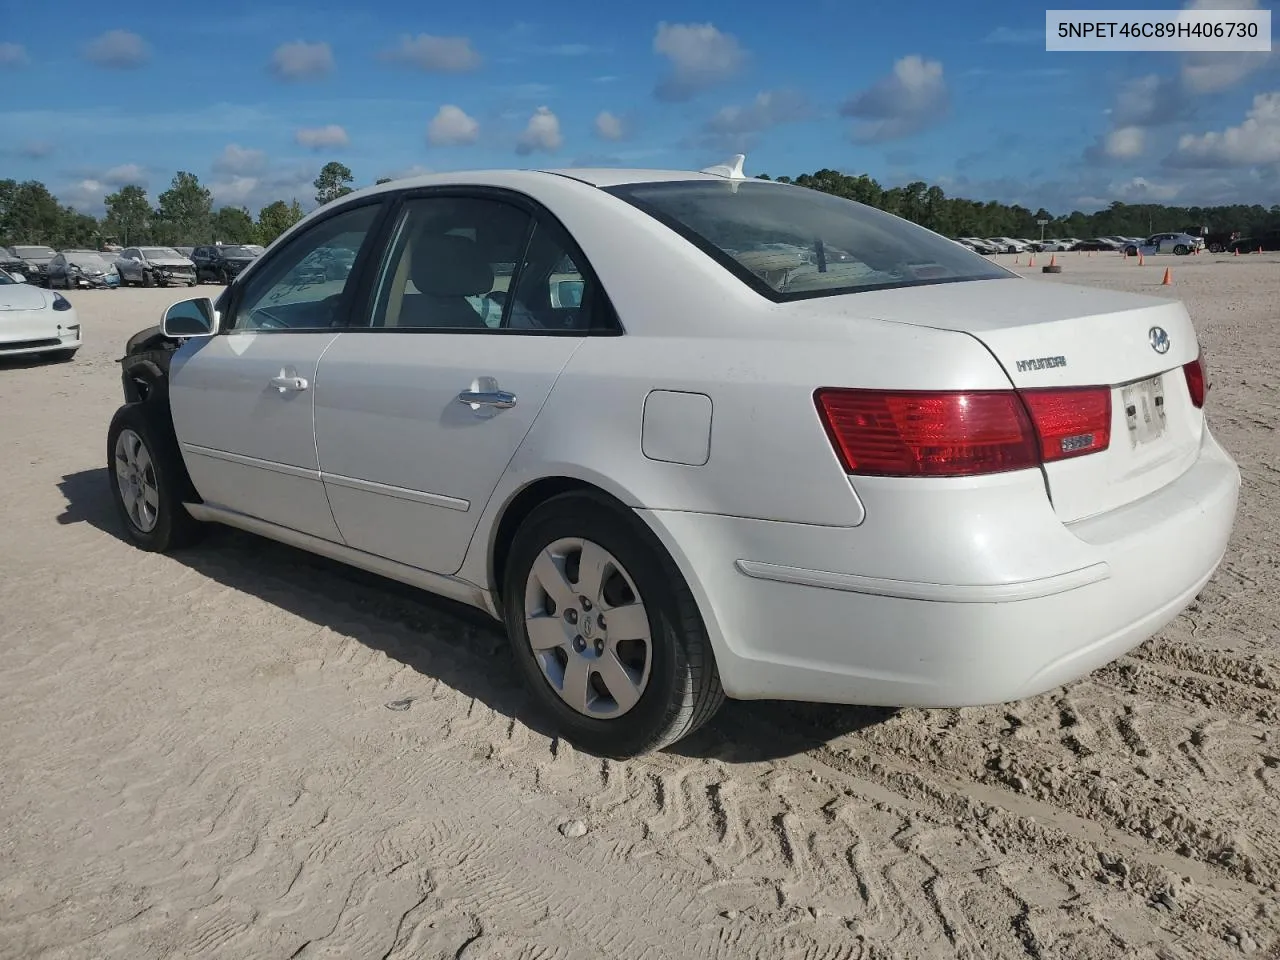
[801,612]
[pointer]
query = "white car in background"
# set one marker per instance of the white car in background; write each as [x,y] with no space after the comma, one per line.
[1178,244]
[155,267]
[36,321]
[1007,244]
[721,436]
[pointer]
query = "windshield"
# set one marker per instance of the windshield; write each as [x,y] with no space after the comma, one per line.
[90,260]
[791,242]
[239,252]
[161,253]
[34,253]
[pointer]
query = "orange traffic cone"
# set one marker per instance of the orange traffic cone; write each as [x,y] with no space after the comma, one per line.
[1017,261]
[1139,258]
[1168,278]
[1237,252]
[1031,260]
[1053,260]
[1259,248]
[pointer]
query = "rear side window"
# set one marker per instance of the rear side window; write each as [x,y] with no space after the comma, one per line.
[791,242]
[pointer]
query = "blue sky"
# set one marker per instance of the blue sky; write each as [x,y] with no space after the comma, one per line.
[255,97]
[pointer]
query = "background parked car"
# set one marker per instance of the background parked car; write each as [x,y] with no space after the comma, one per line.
[155,266]
[11,263]
[222,262]
[1097,243]
[1179,244]
[1007,244]
[1268,240]
[185,251]
[1220,240]
[34,260]
[34,321]
[81,268]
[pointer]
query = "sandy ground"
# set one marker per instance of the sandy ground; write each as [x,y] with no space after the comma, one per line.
[201,755]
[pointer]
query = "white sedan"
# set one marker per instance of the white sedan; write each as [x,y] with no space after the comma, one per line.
[36,321]
[692,435]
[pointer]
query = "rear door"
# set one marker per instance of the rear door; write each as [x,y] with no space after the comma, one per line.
[475,312]
[242,400]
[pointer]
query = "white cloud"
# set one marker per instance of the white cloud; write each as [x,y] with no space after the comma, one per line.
[256,191]
[1256,141]
[700,57]
[85,195]
[1014,36]
[236,160]
[435,54]
[36,149]
[300,60]
[1125,143]
[1216,72]
[417,170]
[736,128]
[117,50]
[910,99]
[542,133]
[451,127]
[609,126]
[321,138]
[13,55]
[123,175]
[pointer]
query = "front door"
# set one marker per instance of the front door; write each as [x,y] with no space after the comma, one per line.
[477,307]
[242,401]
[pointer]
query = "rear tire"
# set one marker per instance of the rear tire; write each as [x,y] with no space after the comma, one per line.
[1181,250]
[143,461]
[676,678]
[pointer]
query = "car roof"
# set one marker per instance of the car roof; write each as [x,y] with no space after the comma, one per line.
[592,176]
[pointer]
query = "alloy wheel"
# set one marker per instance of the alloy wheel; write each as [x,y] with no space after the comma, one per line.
[136,479]
[588,628]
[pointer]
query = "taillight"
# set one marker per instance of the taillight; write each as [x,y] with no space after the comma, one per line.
[1071,421]
[962,433]
[1197,380]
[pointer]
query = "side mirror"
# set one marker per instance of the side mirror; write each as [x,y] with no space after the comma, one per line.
[190,318]
[20,277]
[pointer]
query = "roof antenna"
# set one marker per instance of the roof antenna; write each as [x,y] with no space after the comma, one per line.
[731,169]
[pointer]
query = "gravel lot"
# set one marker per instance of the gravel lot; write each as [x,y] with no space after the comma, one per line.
[210,755]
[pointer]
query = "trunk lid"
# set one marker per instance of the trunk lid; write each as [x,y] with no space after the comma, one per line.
[1061,335]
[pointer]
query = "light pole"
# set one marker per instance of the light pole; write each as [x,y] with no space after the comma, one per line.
[1042,226]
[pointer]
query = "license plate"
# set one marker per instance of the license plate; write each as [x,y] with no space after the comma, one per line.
[1144,409]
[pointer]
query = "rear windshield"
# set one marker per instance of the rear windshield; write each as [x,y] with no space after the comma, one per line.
[229,251]
[791,242]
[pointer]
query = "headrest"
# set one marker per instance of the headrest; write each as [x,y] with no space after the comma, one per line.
[450,266]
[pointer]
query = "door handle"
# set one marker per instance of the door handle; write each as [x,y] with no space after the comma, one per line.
[499,399]
[289,384]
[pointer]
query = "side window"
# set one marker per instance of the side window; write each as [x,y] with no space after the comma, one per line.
[131,253]
[301,285]
[450,264]
[554,290]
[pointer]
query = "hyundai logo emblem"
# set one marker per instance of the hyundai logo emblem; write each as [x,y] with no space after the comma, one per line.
[1160,342]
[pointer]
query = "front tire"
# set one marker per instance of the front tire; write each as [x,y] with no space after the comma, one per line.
[605,632]
[148,481]
[148,279]
[1181,250]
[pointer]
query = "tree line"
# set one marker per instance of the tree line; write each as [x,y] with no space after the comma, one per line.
[184,215]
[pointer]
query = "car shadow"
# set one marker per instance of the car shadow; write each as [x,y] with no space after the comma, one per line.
[453,643]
